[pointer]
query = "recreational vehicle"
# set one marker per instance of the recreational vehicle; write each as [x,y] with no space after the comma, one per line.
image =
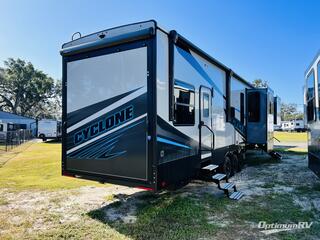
[293,125]
[311,103]
[49,129]
[147,108]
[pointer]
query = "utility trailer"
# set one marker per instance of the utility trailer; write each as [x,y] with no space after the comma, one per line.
[312,116]
[144,107]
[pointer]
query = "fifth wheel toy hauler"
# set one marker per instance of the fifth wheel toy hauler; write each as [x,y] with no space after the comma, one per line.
[146,108]
[312,116]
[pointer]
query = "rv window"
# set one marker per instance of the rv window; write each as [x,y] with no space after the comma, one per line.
[253,107]
[297,124]
[271,107]
[205,105]
[184,109]
[310,97]
[1,127]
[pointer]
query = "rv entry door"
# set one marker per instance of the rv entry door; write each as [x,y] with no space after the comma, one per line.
[205,127]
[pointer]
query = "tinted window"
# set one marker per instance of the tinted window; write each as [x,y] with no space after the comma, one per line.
[1,127]
[310,97]
[253,107]
[205,105]
[184,109]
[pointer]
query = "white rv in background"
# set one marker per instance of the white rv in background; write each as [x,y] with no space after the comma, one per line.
[49,129]
[294,125]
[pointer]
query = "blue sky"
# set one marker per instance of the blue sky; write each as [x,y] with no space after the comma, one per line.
[274,40]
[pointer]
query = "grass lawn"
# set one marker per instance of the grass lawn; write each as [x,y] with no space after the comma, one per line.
[38,166]
[291,136]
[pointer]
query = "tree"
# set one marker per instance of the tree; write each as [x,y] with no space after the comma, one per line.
[289,112]
[259,83]
[25,90]
[52,107]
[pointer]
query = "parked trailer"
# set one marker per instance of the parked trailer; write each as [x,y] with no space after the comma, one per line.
[311,103]
[293,125]
[145,107]
[49,129]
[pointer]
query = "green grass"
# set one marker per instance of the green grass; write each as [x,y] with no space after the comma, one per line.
[3,201]
[37,167]
[291,136]
[294,151]
[258,159]
[167,217]
[272,208]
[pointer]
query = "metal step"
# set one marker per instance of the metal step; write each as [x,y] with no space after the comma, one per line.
[236,195]
[219,176]
[227,186]
[210,167]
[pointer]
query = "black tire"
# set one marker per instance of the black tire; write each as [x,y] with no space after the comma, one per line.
[227,168]
[43,137]
[241,159]
[235,163]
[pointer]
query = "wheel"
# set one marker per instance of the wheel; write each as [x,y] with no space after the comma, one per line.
[235,163]
[241,159]
[43,137]
[227,168]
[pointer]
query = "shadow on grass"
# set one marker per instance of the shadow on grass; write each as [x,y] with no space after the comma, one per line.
[52,141]
[166,215]
[171,215]
[254,158]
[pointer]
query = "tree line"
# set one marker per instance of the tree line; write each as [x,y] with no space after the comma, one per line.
[27,91]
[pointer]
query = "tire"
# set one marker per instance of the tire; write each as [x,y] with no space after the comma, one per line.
[43,137]
[235,163]
[241,159]
[227,166]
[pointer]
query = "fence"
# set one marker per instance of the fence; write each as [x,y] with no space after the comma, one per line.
[12,139]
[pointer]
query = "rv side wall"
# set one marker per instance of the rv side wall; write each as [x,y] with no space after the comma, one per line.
[312,115]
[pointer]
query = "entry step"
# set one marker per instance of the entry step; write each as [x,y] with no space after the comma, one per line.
[210,167]
[227,186]
[219,176]
[236,195]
